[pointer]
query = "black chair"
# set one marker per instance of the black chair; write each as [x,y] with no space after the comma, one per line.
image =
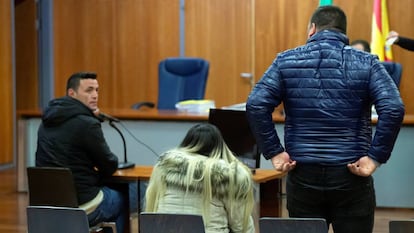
[401,226]
[170,222]
[179,78]
[48,219]
[292,225]
[55,187]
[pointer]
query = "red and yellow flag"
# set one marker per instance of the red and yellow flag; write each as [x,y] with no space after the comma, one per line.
[380,31]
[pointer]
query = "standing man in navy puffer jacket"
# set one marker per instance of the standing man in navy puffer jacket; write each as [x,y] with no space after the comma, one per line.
[327,89]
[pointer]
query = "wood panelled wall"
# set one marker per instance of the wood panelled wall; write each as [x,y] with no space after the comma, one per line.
[223,33]
[27,85]
[124,41]
[6,84]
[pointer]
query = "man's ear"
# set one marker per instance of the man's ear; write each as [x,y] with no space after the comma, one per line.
[312,30]
[71,92]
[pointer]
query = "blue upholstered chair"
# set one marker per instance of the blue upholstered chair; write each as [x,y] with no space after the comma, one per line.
[394,70]
[179,78]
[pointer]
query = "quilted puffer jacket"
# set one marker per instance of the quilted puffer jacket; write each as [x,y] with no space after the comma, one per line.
[327,89]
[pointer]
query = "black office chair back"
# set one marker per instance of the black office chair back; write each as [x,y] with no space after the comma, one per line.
[45,219]
[170,222]
[292,225]
[401,226]
[51,186]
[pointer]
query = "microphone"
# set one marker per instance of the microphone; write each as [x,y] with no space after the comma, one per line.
[111,120]
[105,116]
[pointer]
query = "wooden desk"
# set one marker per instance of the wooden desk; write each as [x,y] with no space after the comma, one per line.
[168,115]
[145,114]
[144,173]
[268,179]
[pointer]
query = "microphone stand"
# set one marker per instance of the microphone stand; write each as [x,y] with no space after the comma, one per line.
[125,164]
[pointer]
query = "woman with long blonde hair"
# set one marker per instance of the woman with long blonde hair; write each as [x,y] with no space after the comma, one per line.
[202,176]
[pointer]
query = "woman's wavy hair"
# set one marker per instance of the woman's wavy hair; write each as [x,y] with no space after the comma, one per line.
[205,139]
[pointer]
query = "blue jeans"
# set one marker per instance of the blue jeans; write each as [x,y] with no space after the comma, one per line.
[136,198]
[111,209]
[345,200]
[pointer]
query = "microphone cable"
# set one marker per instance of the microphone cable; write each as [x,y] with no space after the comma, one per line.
[137,140]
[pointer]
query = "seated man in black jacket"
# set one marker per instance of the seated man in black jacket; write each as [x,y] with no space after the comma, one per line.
[70,135]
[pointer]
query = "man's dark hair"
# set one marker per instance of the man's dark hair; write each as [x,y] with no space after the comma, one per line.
[329,17]
[74,80]
[364,43]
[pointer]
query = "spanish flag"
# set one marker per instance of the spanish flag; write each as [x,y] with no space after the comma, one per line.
[380,31]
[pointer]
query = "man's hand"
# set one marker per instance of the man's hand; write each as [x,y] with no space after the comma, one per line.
[365,166]
[96,112]
[392,37]
[282,162]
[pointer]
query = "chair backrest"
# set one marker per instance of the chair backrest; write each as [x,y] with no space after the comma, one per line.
[394,70]
[181,78]
[44,219]
[170,222]
[401,226]
[51,186]
[292,225]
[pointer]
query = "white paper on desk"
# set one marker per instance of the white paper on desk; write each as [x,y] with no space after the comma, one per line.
[239,106]
[195,106]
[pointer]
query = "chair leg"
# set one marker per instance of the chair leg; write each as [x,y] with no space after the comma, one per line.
[112,225]
[95,229]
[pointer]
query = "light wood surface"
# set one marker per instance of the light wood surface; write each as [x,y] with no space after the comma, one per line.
[169,115]
[6,83]
[133,174]
[144,173]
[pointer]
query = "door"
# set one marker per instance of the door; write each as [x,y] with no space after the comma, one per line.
[222,32]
